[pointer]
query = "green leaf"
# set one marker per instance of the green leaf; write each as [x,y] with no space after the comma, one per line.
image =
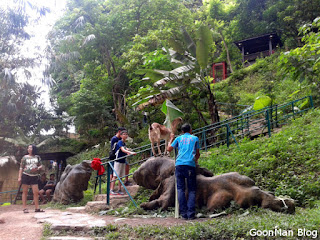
[153,75]
[294,93]
[262,102]
[177,46]
[189,42]
[305,104]
[204,41]
[171,112]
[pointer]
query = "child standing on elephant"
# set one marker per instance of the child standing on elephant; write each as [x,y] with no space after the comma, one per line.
[120,165]
[187,159]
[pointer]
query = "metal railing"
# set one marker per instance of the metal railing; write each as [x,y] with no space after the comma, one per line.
[12,193]
[251,124]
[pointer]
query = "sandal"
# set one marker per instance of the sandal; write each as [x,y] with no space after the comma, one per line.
[39,210]
[25,210]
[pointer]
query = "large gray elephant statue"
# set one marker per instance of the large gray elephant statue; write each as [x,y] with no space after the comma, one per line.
[213,192]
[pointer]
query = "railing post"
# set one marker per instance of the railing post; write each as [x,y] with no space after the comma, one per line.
[204,139]
[231,133]
[228,143]
[108,183]
[292,107]
[176,204]
[277,115]
[248,124]
[311,101]
[242,128]
[268,122]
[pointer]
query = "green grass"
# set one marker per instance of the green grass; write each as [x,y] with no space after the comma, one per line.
[286,164]
[236,225]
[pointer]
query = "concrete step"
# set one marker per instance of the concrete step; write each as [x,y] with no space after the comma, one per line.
[133,190]
[74,238]
[116,201]
[76,209]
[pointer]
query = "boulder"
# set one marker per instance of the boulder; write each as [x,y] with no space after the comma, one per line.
[74,180]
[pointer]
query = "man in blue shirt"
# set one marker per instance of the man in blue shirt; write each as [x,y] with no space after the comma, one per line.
[187,159]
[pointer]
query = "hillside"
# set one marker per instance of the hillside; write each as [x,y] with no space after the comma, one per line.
[285,164]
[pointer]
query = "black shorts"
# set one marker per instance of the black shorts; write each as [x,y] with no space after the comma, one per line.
[29,180]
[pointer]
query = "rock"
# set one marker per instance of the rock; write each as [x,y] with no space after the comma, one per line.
[218,214]
[96,206]
[73,182]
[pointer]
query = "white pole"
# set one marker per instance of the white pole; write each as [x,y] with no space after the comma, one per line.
[176,207]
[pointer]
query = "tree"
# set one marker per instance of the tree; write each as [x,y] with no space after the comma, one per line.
[22,117]
[191,74]
[90,48]
[303,63]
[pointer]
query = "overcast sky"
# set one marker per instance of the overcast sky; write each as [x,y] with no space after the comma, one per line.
[38,31]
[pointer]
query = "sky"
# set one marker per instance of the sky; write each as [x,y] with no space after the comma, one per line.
[37,44]
[35,47]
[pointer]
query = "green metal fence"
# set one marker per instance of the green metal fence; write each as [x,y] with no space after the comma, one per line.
[229,131]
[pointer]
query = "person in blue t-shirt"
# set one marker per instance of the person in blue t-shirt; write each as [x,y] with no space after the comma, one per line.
[114,140]
[187,159]
[120,165]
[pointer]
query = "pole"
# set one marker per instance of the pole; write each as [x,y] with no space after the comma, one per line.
[176,207]
[108,183]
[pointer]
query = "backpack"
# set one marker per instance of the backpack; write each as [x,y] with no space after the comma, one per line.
[112,153]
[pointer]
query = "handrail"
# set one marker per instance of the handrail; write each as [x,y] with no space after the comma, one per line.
[219,133]
[12,192]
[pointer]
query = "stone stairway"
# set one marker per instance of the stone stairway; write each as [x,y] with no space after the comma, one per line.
[79,219]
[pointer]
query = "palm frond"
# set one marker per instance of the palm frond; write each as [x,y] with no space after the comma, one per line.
[88,39]
[79,22]
[158,99]
[189,42]
[65,57]
[174,75]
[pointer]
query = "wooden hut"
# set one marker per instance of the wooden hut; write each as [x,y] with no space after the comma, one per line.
[9,171]
[260,46]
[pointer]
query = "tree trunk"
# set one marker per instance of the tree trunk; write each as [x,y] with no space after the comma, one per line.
[198,111]
[213,110]
[227,51]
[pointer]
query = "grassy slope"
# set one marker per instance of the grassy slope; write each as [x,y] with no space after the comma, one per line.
[286,164]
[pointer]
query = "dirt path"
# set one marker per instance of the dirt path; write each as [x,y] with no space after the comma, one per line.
[16,225]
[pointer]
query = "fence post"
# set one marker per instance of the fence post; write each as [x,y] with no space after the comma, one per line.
[311,101]
[204,137]
[268,122]
[176,205]
[108,183]
[292,106]
[277,115]
[228,143]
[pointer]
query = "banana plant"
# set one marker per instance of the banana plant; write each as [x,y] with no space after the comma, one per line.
[191,59]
